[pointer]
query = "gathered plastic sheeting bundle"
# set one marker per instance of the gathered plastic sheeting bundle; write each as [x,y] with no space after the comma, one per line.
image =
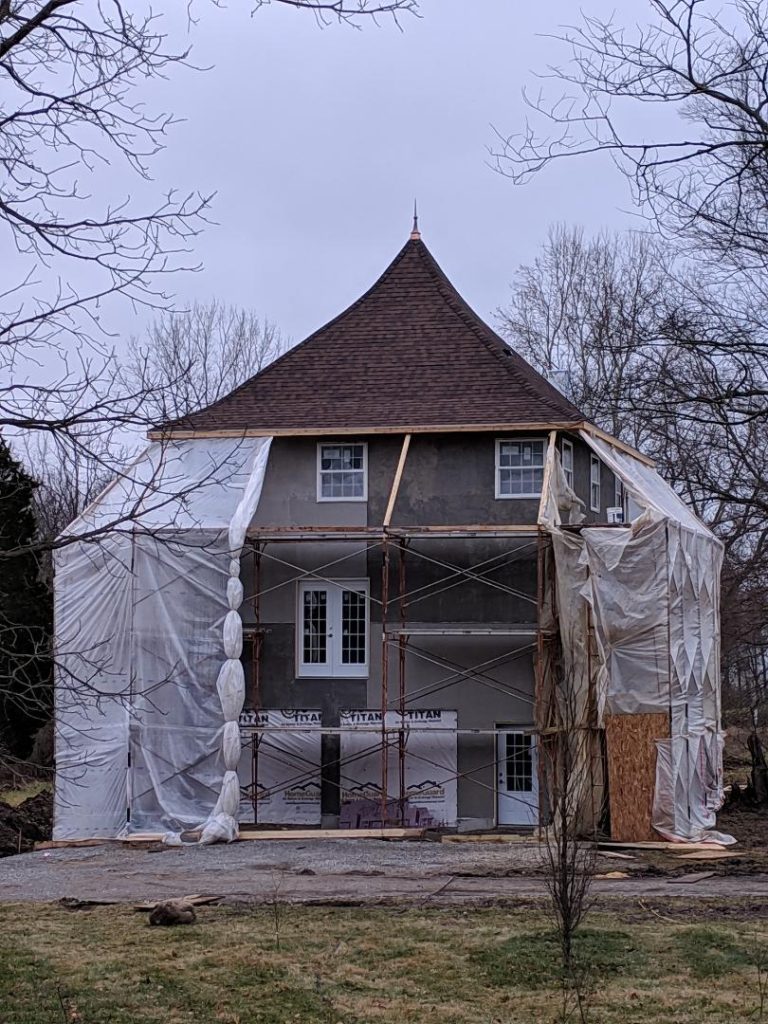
[221,826]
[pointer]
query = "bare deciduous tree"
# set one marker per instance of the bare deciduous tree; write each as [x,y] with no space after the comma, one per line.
[586,313]
[349,11]
[75,77]
[612,321]
[69,477]
[69,74]
[569,855]
[704,180]
[193,358]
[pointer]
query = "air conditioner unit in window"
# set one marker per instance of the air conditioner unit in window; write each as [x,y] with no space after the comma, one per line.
[615,514]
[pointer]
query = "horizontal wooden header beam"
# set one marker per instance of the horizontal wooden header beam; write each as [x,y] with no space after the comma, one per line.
[378,533]
[468,428]
[180,434]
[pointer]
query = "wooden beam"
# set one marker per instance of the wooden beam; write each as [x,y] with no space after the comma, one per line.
[332,833]
[62,844]
[264,834]
[614,442]
[396,481]
[378,532]
[178,433]
[530,528]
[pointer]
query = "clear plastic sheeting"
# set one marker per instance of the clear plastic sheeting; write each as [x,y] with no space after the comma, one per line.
[280,767]
[651,588]
[430,763]
[148,627]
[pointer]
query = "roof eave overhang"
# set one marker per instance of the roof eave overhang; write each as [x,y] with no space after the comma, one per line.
[180,434]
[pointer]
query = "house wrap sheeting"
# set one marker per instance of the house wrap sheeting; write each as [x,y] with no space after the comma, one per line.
[653,591]
[149,684]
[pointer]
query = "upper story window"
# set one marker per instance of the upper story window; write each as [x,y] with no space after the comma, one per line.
[616,512]
[342,472]
[566,460]
[520,468]
[594,483]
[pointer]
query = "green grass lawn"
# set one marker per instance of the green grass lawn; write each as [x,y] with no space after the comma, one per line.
[346,966]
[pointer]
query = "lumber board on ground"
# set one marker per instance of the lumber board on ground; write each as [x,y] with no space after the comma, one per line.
[197,900]
[662,845]
[709,855]
[697,876]
[144,837]
[492,837]
[631,748]
[60,844]
[315,833]
[335,833]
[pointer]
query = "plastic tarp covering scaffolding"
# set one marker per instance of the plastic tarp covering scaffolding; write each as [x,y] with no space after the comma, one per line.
[651,589]
[281,767]
[430,753]
[149,684]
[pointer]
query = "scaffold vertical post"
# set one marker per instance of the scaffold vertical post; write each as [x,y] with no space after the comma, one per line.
[401,687]
[256,652]
[538,677]
[384,676]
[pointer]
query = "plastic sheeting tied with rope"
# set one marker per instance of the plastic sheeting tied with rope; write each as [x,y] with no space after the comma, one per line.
[149,685]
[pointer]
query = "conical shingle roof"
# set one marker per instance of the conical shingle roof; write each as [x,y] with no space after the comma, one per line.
[409,353]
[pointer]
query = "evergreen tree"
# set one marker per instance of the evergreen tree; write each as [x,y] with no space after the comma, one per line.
[25,614]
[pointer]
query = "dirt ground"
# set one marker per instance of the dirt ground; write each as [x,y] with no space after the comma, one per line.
[346,872]
[24,823]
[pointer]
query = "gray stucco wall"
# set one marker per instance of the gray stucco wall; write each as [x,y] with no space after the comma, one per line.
[448,480]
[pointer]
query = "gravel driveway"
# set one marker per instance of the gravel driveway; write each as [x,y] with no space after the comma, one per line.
[321,871]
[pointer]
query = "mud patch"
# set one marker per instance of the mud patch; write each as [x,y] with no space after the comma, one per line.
[28,823]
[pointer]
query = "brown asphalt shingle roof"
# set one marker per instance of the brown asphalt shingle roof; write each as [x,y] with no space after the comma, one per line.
[409,352]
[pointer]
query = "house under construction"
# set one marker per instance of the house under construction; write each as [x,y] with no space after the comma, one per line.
[379,584]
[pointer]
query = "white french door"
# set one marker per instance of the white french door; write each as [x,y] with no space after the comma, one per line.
[517,778]
[332,633]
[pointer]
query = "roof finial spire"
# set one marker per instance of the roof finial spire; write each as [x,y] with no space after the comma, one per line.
[415,233]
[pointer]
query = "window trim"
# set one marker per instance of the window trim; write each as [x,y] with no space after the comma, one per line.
[568,445]
[594,461]
[318,470]
[496,472]
[333,669]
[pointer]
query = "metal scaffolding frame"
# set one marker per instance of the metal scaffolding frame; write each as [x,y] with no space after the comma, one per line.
[399,550]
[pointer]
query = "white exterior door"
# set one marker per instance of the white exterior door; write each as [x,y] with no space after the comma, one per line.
[517,778]
[332,634]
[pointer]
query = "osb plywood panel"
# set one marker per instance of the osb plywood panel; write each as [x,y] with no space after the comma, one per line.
[631,749]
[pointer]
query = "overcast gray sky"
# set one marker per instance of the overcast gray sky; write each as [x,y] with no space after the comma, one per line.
[317,141]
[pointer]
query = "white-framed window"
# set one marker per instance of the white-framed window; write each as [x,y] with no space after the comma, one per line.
[342,472]
[520,467]
[566,460]
[332,628]
[594,483]
[618,493]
